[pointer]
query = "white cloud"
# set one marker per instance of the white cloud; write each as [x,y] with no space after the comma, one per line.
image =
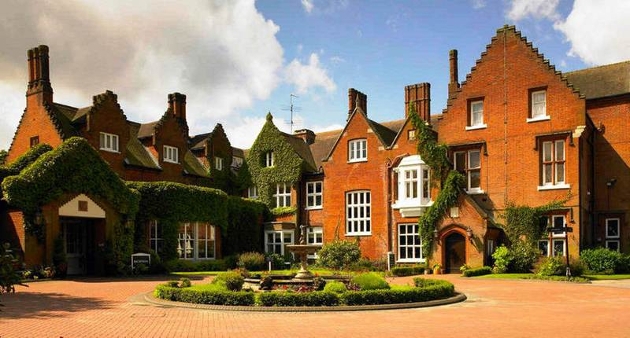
[223,55]
[478,4]
[308,5]
[537,9]
[307,76]
[597,31]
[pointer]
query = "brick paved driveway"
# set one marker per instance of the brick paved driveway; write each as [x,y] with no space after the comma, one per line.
[495,308]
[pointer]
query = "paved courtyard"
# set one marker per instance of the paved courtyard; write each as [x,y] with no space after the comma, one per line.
[495,308]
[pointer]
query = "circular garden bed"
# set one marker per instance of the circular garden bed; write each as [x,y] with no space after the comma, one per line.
[362,290]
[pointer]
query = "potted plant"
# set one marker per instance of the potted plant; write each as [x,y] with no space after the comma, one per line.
[437,268]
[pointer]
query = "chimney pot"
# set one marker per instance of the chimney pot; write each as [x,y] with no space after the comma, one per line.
[39,74]
[453,84]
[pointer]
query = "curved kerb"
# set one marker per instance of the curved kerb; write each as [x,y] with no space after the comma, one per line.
[149,298]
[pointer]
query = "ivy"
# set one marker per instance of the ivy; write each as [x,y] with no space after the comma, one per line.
[451,182]
[73,167]
[279,211]
[23,161]
[288,164]
[524,222]
[244,232]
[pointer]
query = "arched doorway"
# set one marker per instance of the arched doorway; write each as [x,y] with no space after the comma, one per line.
[455,255]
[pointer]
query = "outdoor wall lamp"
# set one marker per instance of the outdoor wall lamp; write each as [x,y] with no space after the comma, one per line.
[469,233]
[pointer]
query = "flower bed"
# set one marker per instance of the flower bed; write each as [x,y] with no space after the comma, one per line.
[422,291]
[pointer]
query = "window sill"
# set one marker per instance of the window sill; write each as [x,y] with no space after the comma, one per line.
[110,150]
[169,161]
[538,119]
[475,192]
[481,126]
[554,187]
[358,161]
[415,260]
[358,234]
[314,208]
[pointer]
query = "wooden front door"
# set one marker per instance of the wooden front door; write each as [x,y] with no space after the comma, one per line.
[455,252]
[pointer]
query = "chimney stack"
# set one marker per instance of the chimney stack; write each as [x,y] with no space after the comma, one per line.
[307,135]
[39,74]
[356,99]
[419,95]
[453,84]
[177,105]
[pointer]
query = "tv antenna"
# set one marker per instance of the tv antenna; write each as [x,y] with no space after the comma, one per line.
[292,109]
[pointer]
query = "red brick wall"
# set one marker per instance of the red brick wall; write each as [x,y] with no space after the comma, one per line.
[503,77]
[171,133]
[35,122]
[612,161]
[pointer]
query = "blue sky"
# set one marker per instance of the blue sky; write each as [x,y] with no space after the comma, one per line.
[237,60]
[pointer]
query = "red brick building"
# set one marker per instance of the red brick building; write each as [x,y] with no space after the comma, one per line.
[150,152]
[521,133]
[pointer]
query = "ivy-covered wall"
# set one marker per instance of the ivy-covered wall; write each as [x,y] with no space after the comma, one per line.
[287,163]
[244,232]
[73,167]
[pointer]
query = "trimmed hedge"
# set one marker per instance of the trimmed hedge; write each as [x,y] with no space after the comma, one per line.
[182,265]
[316,298]
[401,271]
[428,289]
[484,270]
[187,295]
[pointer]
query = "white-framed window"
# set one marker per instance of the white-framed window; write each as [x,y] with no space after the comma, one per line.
[237,162]
[314,236]
[411,135]
[469,164]
[554,243]
[109,142]
[553,163]
[613,245]
[196,241]
[218,163]
[358,213]
[414,186]
[357,150]
[171,154]
[538,105]
[276,240]
[409,244]
[314,195]
[612,228]
[268,161]
[282,196]
[252,192]
[156,241]
[475,115]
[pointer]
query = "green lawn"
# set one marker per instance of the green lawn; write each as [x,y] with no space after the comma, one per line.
[506,276]
[608,277]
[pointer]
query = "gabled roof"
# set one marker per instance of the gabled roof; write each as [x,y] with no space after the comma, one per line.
[602,81]
[147,129]
[324,141]
[199,141]
[302,149]
[386,132]
[136,153]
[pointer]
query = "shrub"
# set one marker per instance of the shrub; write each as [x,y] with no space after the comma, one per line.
[184,282]
[253,261]
[316,298]
[339,254]
[601,260]
[623,265]
[435,289]
[425,282]
[401,271]
[233,280]
[550,266]
[335,287]
[183,265]
[215,297]
[370,281]
[484,270]
[319,283]
[277,261]
[523,255]
[502,258]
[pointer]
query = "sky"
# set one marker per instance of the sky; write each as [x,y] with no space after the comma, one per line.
[237,60]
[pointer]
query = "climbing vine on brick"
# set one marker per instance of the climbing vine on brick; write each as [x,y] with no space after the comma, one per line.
[73,167]
[451,182]
[524,222]
[287,166]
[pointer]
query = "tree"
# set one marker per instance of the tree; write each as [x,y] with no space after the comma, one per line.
[339,254]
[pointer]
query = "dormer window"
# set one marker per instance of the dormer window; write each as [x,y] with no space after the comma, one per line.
[268,161]
[357,150]
[475,114]
[171,154]
[218,163]
[537,106]
[109,142]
